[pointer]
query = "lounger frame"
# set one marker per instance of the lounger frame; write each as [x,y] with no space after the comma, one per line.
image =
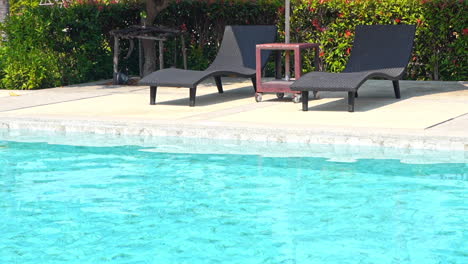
[379,51]
[236,57]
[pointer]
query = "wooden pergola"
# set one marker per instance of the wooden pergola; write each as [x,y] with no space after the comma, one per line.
[156,33]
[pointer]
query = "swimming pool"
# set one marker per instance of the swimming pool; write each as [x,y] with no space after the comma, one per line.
[84,200]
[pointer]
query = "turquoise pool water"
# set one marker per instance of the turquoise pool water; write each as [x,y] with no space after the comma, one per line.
[130,204]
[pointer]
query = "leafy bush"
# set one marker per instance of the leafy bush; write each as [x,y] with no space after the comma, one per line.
[441,39]
[17,5]
[50,46]
[204,22]
[30,69]
[75,40]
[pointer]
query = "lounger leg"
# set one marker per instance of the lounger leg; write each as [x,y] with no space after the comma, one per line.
[351,96]
[193,92]
[305,100]
[153,95]
[254,83]
[219,84]
[396,88]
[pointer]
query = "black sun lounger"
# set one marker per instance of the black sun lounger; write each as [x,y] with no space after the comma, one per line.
[236,56]
[379,51]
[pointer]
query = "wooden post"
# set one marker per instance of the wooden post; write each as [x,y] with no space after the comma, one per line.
[184,52]
[116,59]
[297,63]
[317,59]
[161,54]
[140,58]
[174,63]
[4,11]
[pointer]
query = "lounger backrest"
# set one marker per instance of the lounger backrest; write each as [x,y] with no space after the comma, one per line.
[381,47]
[238,45]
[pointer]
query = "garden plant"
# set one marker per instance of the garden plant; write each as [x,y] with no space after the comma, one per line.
[46,46]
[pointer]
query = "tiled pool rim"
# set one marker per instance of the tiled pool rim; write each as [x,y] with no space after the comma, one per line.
[405,139]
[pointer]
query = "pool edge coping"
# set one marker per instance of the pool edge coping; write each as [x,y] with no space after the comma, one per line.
[406,139]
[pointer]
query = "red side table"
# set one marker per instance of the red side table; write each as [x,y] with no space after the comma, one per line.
[280,86]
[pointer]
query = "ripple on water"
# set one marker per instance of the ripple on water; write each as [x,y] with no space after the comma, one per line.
[76,204]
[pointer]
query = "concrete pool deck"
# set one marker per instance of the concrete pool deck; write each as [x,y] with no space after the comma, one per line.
[430,115]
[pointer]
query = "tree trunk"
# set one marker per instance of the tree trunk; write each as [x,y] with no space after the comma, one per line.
[4,10]
[153,8]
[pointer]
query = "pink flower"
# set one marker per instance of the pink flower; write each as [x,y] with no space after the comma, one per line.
[465,31]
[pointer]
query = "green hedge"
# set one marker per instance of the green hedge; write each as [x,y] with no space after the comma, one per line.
[441,44]
[204,22]
[49,47]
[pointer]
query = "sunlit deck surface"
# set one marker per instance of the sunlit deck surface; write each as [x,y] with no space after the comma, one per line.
[429,114]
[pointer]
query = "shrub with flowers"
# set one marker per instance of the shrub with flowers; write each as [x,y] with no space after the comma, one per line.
[50,46]
[205,20]
[441,43]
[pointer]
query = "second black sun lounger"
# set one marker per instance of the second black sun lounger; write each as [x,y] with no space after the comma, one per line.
[236,56]
[379,51]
